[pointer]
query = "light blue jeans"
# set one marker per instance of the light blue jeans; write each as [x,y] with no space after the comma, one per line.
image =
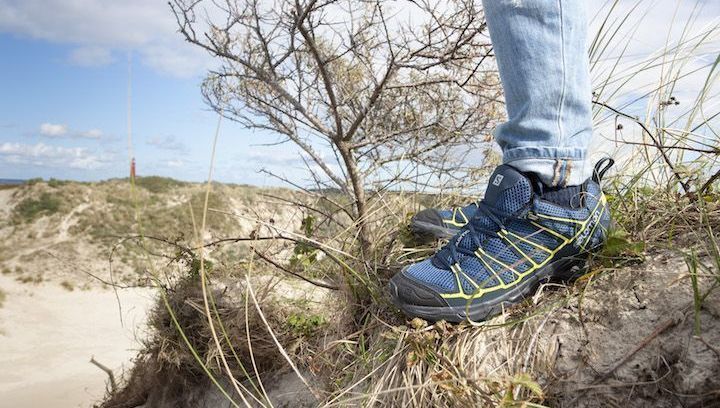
[541,52]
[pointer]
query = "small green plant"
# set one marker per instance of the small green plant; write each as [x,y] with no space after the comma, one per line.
[521,380]
[3,296]
[620,248]
[194,264]
[304,255]
[305,325]
[30,209]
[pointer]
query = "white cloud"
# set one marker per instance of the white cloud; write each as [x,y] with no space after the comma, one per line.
[168,142]
[99,28]
[652,31]
[91,56]
[44,155]
[91,134]
[660,40]
[178,61]
[277,157]
[174,163]
[56,130]
[53,129]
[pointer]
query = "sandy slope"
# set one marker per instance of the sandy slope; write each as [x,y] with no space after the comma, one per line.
[5,196]
[48,335]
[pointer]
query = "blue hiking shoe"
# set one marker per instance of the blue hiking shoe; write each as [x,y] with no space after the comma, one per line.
[435,223]
[522,234]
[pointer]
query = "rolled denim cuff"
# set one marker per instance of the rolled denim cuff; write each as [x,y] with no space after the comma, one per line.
[554,166]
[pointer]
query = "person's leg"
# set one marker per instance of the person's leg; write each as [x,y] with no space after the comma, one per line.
[542,213]
[541,52]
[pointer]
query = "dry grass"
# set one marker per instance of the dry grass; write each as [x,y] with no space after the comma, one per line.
[297,315]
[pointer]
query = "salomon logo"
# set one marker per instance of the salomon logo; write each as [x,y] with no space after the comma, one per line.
[498,180]
[584,237]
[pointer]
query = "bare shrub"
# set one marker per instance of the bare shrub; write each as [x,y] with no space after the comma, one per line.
[353,85]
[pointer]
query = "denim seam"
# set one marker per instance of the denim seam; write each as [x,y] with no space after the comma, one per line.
[549,153]
[563,174]
[561,135]
[552,160]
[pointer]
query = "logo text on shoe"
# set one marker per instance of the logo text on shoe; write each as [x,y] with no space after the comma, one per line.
[498,179]
[589,228]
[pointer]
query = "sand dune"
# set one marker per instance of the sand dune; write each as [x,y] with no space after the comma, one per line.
[48,335]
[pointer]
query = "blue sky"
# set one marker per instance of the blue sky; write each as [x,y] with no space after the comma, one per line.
[62,119]
[64,76]
[64,83]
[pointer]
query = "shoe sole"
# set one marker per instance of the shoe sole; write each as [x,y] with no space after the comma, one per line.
[425,229]
[565,270]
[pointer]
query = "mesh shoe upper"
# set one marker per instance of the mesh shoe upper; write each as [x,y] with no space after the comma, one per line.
[459,216]
[513,233]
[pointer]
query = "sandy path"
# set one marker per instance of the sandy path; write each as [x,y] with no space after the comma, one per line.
[49,334]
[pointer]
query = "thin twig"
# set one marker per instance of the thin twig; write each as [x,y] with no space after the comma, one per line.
[709,346]
[295,274]
[111,376]
[685,186]
[709,182]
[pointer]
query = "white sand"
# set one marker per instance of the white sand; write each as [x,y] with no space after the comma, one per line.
[48,335]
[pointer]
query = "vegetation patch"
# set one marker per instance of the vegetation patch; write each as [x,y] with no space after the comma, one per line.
[182,341]
[305,325]
[30,208]
[55,183]
[157,184]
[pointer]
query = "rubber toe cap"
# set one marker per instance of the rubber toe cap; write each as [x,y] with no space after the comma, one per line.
[406,291]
